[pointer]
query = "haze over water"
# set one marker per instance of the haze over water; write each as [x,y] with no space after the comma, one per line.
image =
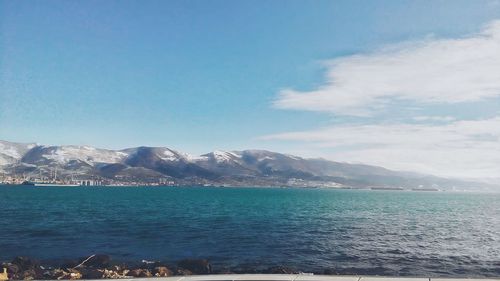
[348,231]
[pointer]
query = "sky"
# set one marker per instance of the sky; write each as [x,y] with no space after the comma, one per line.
[408,85]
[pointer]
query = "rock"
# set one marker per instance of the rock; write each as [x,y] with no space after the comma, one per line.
[25,263]
[182,271]
[120,269]
[13,270]
[25,268]
[97,261]
[281,270]
[61,274]
[112,274]
[75,274]
[30,274]
[69,263]
[139,272]
[162,271]
[91,273]
[48,274]
[134,272]
[56,274]
[196,266]
[151,265]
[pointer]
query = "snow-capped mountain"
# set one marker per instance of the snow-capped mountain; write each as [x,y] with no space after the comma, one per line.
[247,167]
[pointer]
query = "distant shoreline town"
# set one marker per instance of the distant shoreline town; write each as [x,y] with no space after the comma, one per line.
[36,182]
[20,182]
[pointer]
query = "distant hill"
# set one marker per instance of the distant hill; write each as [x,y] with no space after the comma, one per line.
[232,168]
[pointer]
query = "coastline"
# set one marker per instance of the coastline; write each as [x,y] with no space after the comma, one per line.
[101,266]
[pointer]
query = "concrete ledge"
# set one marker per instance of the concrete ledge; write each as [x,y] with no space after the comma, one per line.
[299,277]
[462,279]
[376,278]
[310,277]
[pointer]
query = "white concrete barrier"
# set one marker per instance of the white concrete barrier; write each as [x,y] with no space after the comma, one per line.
[299,277]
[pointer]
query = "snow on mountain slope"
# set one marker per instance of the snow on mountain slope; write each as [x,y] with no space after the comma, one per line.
[219,156]
[168,155]
[225,155]
[64,154]
[173,155]
[227,163]
[12,152]
[86,154]
[161,153]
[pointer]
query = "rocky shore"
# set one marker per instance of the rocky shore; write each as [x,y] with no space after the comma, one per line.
[102,267]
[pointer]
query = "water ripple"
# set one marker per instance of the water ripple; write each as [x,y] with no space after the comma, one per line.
[347,231]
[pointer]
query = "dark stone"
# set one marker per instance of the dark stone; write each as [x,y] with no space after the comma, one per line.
[25,263]
[162,271]
[97,261]
[74,274]
[183,272]
[31,274]
[12,269]
[196,266]
[70,263]
[119,269]
[139,272]
[281,270]
[151,264]
[90,273]
[55,274]
[48,274]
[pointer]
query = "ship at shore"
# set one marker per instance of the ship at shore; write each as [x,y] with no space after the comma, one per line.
[386,188]
[30,183]
[425,189]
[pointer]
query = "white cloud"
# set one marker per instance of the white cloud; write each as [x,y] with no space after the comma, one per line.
[433,71]
[432,75]
[434,118]
[465,149]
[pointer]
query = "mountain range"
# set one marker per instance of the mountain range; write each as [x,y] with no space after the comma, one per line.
[231,168]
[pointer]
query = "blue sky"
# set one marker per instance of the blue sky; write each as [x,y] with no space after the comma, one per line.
[203,75]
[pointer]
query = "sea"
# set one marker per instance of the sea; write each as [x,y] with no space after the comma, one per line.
[393,233]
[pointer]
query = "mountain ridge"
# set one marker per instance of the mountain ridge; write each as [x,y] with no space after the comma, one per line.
[251,167]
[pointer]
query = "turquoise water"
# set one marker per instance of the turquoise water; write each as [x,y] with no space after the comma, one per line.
[348,231]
